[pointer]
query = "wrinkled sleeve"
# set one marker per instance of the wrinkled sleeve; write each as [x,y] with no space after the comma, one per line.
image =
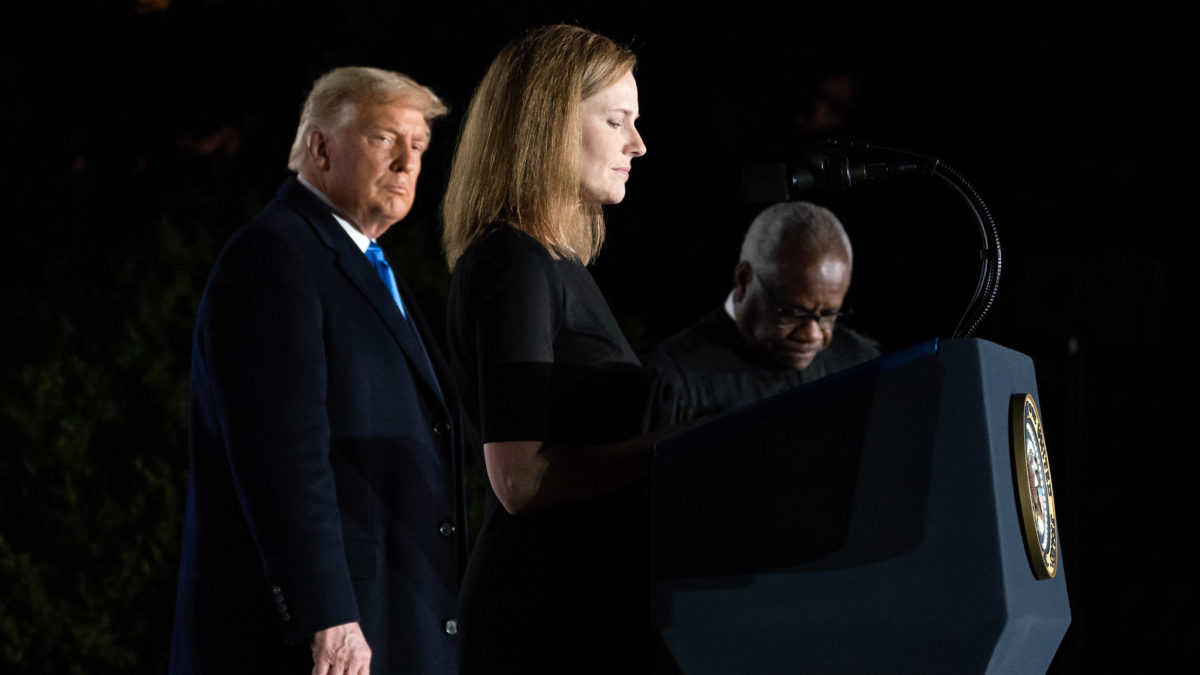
[668,403]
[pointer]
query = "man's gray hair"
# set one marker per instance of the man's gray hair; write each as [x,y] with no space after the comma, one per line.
[326,105]
[807,229]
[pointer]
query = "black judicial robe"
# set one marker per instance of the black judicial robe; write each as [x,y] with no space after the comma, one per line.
[707,369]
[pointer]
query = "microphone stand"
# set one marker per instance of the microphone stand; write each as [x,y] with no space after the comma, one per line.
[989,252]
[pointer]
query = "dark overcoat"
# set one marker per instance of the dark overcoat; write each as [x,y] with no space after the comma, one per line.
[325,475]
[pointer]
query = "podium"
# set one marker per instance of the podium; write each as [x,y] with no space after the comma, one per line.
[878,520]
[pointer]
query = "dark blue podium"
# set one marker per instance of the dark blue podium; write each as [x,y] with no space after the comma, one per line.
[868,522]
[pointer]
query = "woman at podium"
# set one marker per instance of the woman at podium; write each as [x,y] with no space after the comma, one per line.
[559,577]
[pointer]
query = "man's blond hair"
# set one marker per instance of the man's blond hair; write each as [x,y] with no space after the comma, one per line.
[335,92]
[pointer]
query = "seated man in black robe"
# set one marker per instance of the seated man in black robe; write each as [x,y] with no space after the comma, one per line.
[778,328]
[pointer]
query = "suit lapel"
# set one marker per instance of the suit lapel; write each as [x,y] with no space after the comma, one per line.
[358,269]
[441,367]
[424,342]
[362,275]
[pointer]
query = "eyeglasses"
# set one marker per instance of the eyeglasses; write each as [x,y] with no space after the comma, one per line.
[791,318]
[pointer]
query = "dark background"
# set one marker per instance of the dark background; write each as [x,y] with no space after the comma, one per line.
[139,135]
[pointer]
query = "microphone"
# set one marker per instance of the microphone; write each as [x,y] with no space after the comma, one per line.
[780,181]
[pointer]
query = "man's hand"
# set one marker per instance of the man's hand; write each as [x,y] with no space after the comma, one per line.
[341,650]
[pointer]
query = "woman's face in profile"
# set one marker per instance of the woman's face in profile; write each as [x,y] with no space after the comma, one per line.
[610,141]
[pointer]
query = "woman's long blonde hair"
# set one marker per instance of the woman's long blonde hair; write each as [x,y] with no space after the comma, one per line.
[518,158]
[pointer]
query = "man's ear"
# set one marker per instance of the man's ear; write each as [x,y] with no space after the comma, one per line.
[317,149]
[743,274]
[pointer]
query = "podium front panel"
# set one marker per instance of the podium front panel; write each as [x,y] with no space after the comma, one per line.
[865,522]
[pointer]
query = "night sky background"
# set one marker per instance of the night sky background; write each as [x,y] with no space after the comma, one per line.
[139,135]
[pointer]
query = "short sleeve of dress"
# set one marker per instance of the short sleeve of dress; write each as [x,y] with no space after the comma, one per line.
[514,298]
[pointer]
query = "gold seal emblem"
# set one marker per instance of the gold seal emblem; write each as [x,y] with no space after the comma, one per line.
[1035,490]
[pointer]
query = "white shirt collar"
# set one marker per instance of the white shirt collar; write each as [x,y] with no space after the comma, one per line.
[361,240]
[729,306]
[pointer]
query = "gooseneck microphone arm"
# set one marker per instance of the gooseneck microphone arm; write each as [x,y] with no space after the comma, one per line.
[989,253]
[779,182]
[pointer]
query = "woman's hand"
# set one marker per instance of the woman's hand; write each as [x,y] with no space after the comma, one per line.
[527,475]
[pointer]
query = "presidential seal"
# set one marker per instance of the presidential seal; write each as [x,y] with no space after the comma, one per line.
[1035,490]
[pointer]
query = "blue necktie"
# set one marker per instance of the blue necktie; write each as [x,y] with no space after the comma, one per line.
[375,255]
[384,270]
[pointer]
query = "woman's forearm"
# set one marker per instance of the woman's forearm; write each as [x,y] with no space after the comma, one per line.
[527,475]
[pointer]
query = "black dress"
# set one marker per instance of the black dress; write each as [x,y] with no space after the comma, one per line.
[539,357]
